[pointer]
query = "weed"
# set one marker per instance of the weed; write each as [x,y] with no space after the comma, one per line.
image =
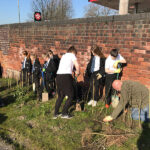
[28,124]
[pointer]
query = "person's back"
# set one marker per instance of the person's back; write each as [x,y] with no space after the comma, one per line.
[64,82]
[135,92]
[56,60]
[66,64]
[135,96]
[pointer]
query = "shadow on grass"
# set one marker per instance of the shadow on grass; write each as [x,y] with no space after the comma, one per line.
[8,140]
[3,118]
[2,88]
[8,100]
[143,142]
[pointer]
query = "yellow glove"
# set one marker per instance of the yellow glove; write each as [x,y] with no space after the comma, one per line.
[98,76]
[43,69]
[107,119]
[116,63]
[117,70]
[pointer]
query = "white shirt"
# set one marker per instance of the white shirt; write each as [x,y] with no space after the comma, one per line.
[109,64]
[24,62]
[96,64]
[66,63]
[47,63]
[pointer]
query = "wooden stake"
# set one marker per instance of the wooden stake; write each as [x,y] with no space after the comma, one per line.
[10,82]
[22,78]
[131,120]
[88,94]
[140,126]
[124,114]
[17,81]
[149,106]
[26,78]
[32,77]
[93,94]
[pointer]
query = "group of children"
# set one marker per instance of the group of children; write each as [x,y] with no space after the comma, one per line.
[101,71]
[42,76]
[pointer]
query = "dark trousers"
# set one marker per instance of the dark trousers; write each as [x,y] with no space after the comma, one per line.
[49,84]
[95,86]
[64,83]
[25,77]
[108,87]
[38,87]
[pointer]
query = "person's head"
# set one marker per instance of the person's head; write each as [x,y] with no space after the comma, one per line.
[117,85]
[47,57]
[96,50]
[72,50]
[50,52]
[33,57]
[44,56]
[24,53]
[114,53]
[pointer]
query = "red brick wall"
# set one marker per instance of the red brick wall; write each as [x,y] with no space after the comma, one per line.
[130,34]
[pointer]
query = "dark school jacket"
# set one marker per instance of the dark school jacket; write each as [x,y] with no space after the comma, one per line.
[28,65]
[50,70]
[101,68]
[37,69]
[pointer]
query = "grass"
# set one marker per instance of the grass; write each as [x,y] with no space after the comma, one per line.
[27,124]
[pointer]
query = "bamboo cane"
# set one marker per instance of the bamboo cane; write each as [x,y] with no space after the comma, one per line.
[26,78]
[93,95]
[131,120]
[17,81]
[10,82]
[7,82]
[124,115]
[56,90]
[11,76]
[32,78]
[22,78]
[149,105]
[87,94]
[140,126]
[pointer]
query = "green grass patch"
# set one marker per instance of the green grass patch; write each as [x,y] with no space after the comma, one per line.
[28,124]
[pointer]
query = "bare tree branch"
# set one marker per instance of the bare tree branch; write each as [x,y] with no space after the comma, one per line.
[53,9]
[94,10]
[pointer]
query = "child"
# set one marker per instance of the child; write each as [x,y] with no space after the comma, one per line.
[43,71]
[50,71]
[55,58]
[26,68]
[111,73]
[96,72]
[64,82]
[36,71]
[56,61]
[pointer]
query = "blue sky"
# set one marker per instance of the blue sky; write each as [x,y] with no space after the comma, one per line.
[9,10]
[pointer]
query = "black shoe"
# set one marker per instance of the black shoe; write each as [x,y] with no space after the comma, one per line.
[66,116]
[56,116]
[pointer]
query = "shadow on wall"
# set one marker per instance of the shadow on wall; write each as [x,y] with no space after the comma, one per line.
[143,142]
